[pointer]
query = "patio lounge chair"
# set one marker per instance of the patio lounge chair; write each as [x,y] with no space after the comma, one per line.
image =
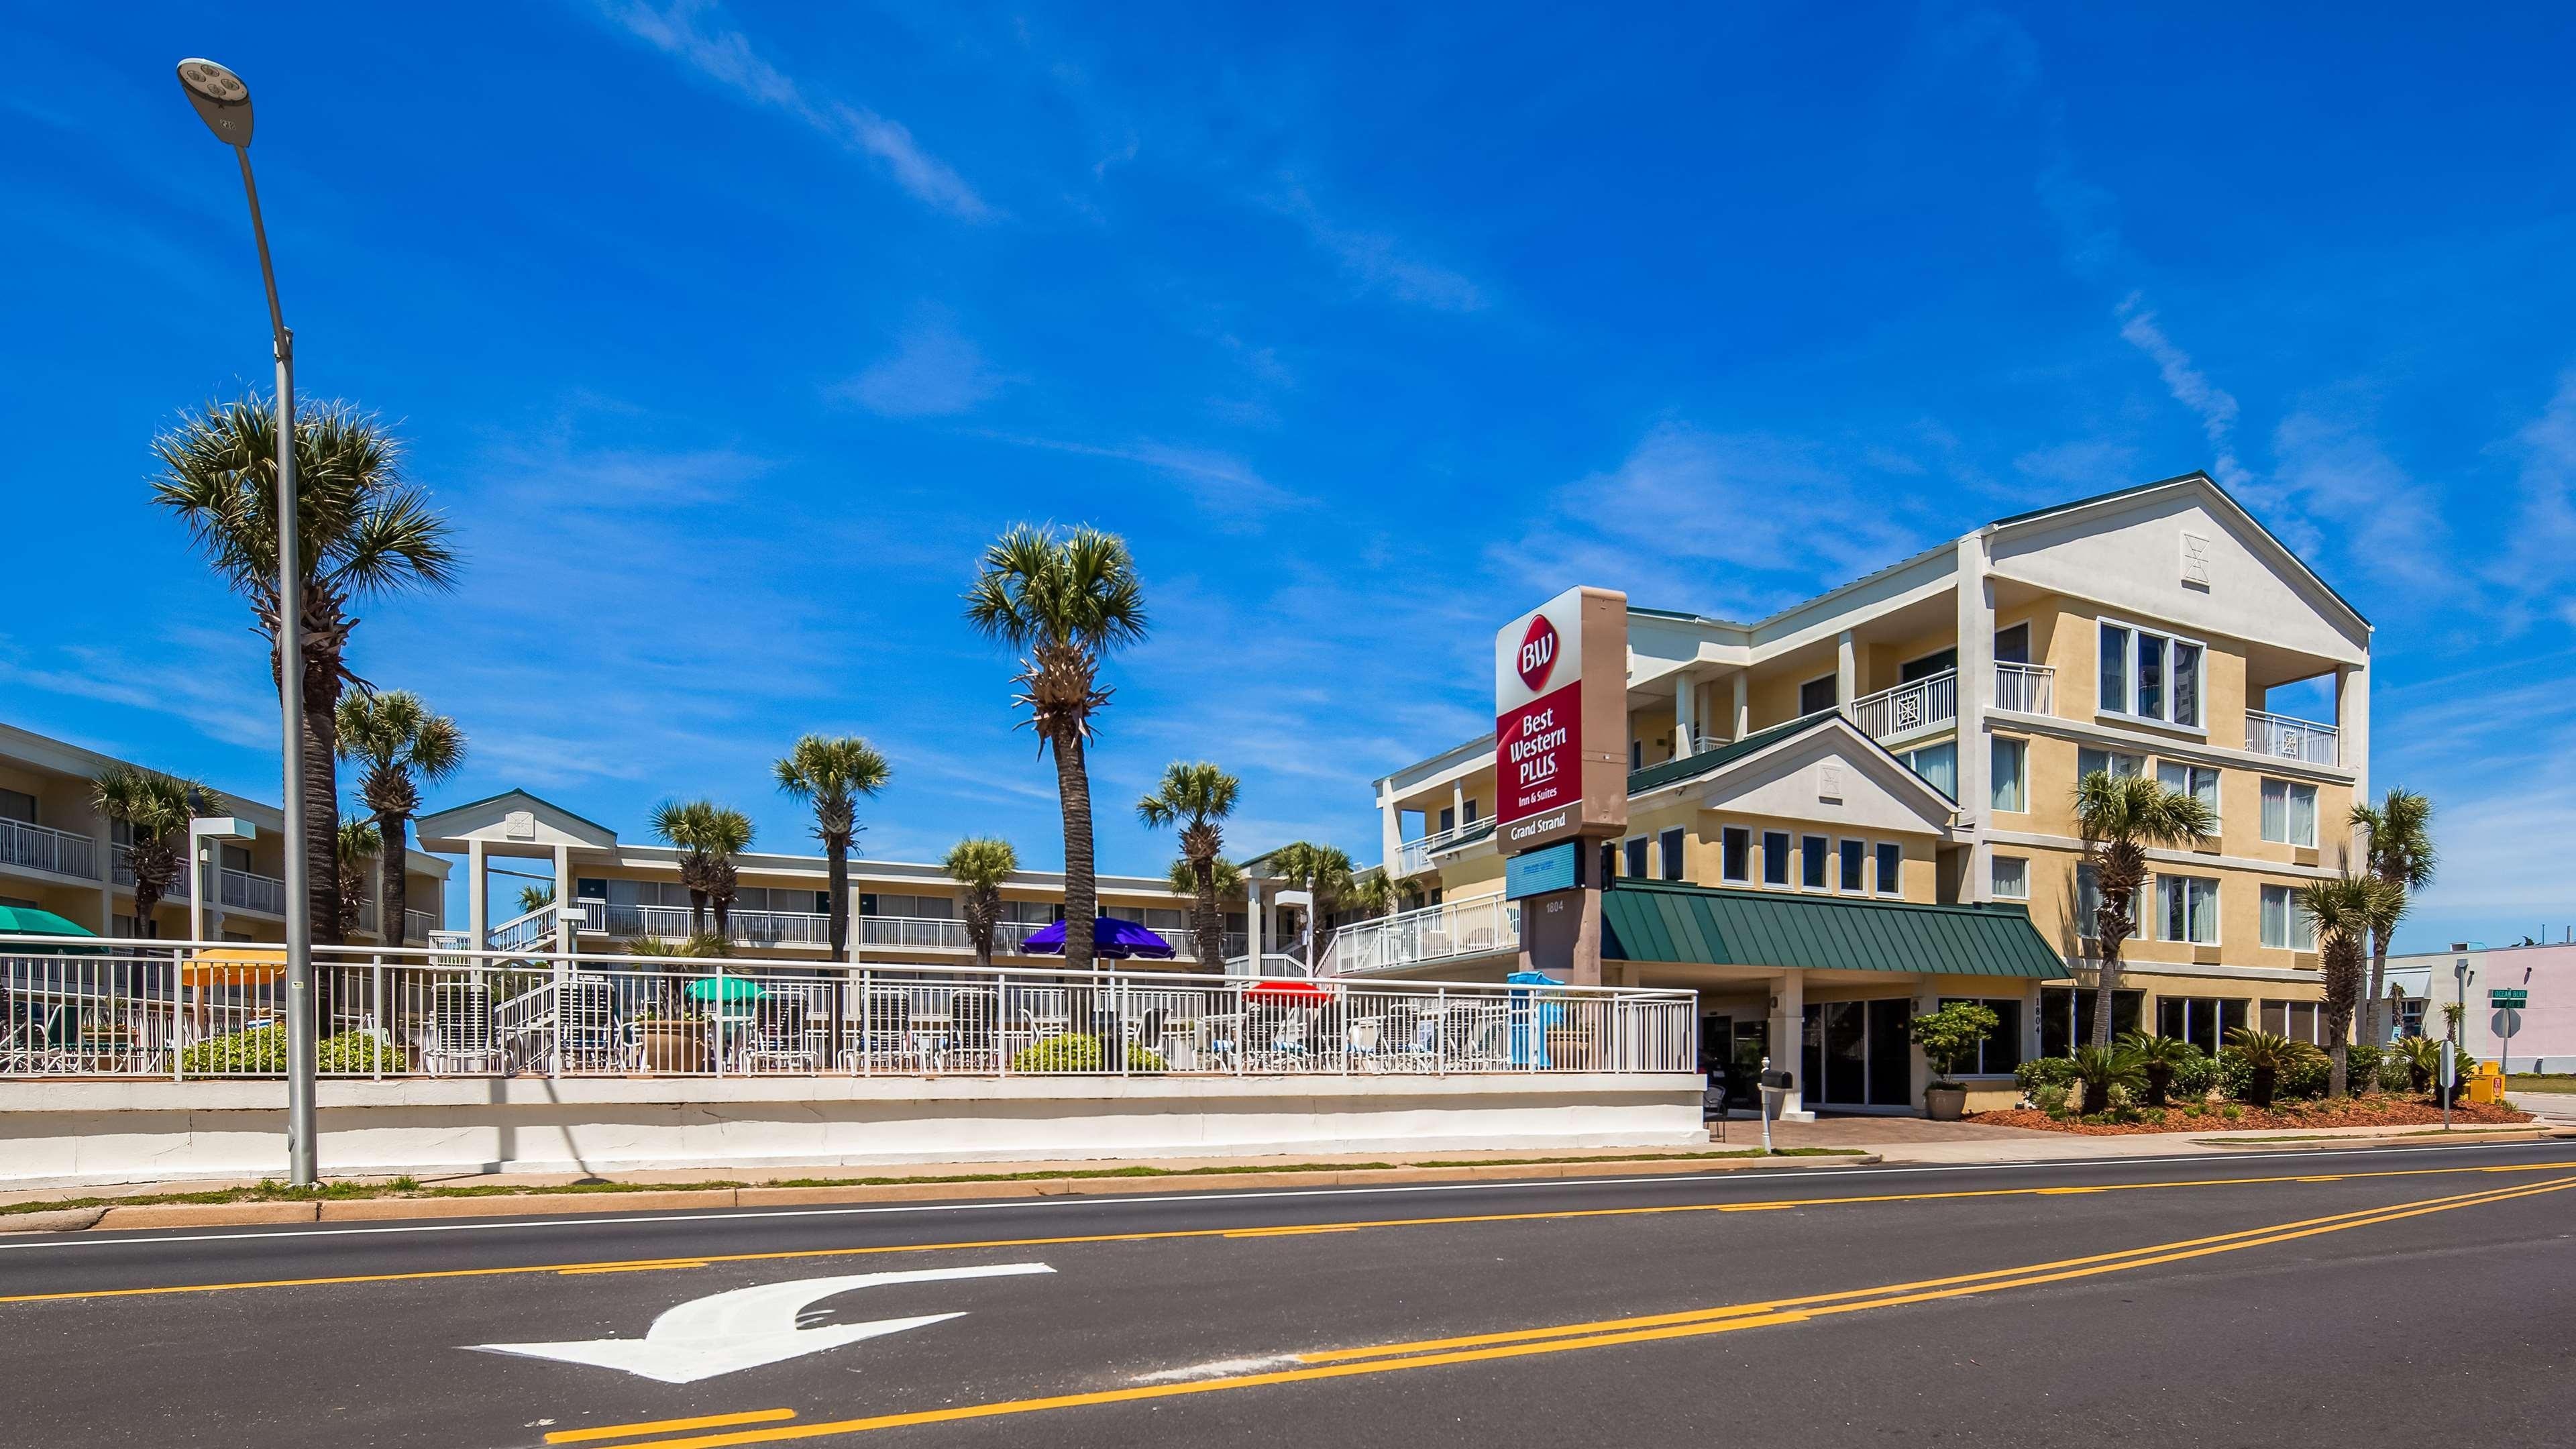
[458,1035]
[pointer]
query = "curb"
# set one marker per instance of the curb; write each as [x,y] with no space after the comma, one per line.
[2437,1139]
[540,1204]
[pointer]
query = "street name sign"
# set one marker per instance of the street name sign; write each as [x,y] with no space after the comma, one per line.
[2508,996]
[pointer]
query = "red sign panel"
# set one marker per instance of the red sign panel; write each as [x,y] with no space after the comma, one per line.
[1538,653]
[1539,745]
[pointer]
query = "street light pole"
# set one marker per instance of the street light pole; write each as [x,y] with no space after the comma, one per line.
[223,102]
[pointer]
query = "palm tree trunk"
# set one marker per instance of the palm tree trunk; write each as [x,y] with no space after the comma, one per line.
[837,871]
[2373,1004]
[393,894]
[322,805]
[1081,889]
[2107,981]
[1208,922]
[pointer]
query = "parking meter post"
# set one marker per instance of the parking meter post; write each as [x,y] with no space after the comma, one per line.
[2450,1070]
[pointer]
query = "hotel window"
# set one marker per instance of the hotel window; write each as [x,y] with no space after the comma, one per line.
[2289,813]
[1448,819]
[1816,696]
[2204,1021]
[1891,869]
[2286,924]
[1775,857]
[1938,764]
[1609,861]
[2200,782]
[2107,762]
[2187,909]
[18,805]
[1471,810]
[1636,864]
[2012,646]
[2000,1052]
[2011,791]
[1735,853]
[2066,1017]
[2011,878]
[2150,676]
[1854,855]
[1814,862]
[2088,900]
[2296,1020]
[1636,755]
[1669,846]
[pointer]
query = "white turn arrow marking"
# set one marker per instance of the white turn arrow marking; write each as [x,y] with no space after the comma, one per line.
[729,1332]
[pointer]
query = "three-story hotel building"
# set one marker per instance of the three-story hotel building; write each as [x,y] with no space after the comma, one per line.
[1861,806]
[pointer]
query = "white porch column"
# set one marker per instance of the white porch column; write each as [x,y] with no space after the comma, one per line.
[2352,725]
[103,850]
[1458,803]
[1256,923]
[1976,622]
[563,876]
[478,896]
[1685,713]
[1788,1032]
[1390,829]
[1846,671]
[1743,703]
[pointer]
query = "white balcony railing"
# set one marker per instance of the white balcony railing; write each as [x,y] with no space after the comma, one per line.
[1451,931]
[2284,737]
[41,847]
[1921,705]
[1414,856]
[2025,688]
[417,925]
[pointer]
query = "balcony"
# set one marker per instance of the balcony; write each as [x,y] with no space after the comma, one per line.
[2286,738]
[2025,688]
[419,923]
[1413,857]
[814,929]
[1924,704]
[1454,931]
[41,847]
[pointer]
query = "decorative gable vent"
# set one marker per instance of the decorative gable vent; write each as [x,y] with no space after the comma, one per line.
[2195,560]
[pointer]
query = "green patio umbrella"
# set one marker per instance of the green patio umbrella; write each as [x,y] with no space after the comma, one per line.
[30,921]
[725,988]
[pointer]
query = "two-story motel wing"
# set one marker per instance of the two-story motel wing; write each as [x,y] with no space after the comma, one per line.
[1862,806]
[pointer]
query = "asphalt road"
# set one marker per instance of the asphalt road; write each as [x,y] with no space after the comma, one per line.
[2358,1298]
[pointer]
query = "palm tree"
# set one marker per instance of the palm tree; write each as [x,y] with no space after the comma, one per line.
[2100,1068]
[2401,853]
[535,898]
[399,746]
[1065,602]
[2119,817]
[1225,879]
[2348,910]
[1196,797]
[357,843]
[2267,1054]
[1324,873]
[830,775]
[981,864]
[362,533]
[2157,1057]
[155,810]
[708,836]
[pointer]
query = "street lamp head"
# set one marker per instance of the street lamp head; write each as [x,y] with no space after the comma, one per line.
[222,101]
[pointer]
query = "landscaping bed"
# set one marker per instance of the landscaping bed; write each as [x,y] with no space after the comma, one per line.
[2369,1110]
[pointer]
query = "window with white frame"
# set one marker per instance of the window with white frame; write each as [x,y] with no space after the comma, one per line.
[1635,866]
[2187,909]
[2011,784]
[1891,868]
[2200,782]
[2289,812]
[1854,857]
[1735,854]
[2107,762]
[1815,862]
[1668,847]
[2001,1051]
[2088,899]
[2011,878]
[1938,765]
[2150,676]
[1775,857]
[2286,923]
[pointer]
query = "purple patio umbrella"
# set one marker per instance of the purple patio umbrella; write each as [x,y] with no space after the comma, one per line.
[1110,937]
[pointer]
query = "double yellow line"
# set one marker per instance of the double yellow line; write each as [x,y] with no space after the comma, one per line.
[1611,1333]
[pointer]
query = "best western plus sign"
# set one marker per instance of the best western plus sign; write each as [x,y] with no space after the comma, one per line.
[1545,710]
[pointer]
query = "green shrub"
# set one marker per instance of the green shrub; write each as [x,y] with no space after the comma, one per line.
[2193,1076]
[1949,1037]
[1076,1052]
[262,1051]
[2361,1067]
[2231,1111]
[2041,1072]
[2049,1099]
[2301,1078]
[2396,1076]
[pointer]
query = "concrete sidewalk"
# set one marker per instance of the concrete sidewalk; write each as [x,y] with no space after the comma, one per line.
[1918,1140]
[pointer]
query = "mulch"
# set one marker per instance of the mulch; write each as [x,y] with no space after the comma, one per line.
[2373,1110]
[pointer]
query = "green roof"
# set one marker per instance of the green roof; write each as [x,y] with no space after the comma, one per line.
[1673,771]
[1702,925]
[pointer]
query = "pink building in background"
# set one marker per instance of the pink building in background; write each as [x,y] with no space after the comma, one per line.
[2545,1040]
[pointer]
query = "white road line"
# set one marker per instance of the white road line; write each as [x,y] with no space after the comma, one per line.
[290,1233]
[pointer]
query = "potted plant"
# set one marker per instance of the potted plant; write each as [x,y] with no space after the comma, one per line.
[1949,1038]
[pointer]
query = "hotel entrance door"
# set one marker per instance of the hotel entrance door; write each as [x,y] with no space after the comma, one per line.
[1855,1054]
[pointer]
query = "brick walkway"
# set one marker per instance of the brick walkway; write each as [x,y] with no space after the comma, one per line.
[1870,1132]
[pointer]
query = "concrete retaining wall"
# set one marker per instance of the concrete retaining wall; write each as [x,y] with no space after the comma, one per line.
[82,1132]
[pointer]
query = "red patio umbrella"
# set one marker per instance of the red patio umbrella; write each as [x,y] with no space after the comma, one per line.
[1291,991]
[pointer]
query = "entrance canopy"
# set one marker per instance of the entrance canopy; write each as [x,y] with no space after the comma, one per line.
[1706,926]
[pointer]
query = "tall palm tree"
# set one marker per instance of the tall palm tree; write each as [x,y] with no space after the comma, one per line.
[2401,853]
[1065,601]
[981,864]
[535,898]
[398,746]
[2119,818]
[155,809]
[1196,797]
[830,775]
[1324,873]
[1225,881]
[708,836]
[362,533]
[2348,909]
[356,843]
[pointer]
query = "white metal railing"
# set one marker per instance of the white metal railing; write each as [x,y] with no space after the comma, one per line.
[417,925]
[795,928]
[242,890]
[2288,738]
[1451,931]
[2025,688]
[1931,700]
[41,847]
[182,1010]
[1414,856]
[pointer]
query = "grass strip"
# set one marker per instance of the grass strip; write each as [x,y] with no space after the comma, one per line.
[405,1187]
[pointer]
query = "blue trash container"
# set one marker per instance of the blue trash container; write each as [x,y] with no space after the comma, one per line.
[1531,1016]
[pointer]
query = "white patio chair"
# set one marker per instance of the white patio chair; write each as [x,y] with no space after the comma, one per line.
[458,1035]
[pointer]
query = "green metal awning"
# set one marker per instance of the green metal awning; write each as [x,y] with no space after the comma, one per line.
[1701,925]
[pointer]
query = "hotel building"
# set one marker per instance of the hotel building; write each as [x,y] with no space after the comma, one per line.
[1861,806]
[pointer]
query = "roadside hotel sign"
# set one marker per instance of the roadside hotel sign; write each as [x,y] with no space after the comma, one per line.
[1561,720]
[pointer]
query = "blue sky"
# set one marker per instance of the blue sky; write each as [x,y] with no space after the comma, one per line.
[727,333]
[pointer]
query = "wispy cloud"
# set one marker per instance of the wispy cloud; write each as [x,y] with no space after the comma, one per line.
[691,31]
[208,676]
[933,372]
[1225,486]
[2541,561]
[1377,260]
[2191,387]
